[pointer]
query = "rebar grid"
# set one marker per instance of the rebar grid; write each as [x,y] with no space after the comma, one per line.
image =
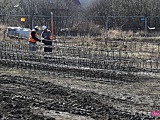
[118,61]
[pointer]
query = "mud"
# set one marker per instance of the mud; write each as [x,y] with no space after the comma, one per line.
[26,98]
[51,97]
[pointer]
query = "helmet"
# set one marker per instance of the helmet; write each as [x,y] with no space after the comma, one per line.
[44,27]
[36,28]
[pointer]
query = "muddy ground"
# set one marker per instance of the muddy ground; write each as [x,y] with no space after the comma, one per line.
[35,96]
[24,97]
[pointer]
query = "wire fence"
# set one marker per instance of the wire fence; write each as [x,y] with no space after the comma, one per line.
[133,65]
[118,61]
[93,26]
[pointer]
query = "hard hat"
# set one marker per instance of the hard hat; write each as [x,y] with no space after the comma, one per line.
[36,28]
[44,27]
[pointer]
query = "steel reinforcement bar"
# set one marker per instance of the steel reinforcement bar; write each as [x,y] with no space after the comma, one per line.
[82,61]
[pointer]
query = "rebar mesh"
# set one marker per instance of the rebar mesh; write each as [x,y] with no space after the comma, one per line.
[118,61]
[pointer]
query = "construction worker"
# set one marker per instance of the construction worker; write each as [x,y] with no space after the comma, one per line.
[33,38]
[46,39]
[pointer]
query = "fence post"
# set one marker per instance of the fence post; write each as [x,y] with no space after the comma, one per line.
[32,17]
[52,25]
[145,27]
[106,32]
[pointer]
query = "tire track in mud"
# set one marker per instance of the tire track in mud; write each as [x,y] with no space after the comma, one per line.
[19,96]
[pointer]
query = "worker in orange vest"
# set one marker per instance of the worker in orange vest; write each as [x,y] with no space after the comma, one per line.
[33,38]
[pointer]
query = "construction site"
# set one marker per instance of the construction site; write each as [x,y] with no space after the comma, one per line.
[103,65]
[82,80]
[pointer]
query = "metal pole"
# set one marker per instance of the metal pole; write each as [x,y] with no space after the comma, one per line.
[32,17]
[145,27]
[52,25]
[106,32]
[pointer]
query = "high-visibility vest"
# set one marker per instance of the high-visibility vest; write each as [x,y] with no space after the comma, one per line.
[31,39]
